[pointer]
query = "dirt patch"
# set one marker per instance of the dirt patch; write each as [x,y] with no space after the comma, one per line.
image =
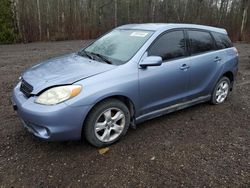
[202,146]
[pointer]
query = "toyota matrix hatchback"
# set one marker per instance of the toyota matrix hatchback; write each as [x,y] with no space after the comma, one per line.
[131,74]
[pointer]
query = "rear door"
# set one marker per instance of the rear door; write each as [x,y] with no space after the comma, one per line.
[205,61]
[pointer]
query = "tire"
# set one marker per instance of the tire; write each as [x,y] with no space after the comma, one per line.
[104,125]
[221,91]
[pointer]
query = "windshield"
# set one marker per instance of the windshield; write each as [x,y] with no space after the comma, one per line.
[119,46]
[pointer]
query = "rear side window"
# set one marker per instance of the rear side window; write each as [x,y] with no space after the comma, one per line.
[200,41]
[222,40]
[170,45]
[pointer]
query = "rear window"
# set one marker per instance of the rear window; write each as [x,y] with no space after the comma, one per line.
[200,41]
[222,40]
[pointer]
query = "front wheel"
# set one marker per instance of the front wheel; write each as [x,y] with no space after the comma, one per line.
[107,122]
[221,91]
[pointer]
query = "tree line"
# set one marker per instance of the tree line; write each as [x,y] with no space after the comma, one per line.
[50,20]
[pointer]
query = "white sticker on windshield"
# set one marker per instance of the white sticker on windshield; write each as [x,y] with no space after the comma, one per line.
[139,34]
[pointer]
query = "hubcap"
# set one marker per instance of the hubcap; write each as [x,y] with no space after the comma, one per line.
[109,124]
[222,92]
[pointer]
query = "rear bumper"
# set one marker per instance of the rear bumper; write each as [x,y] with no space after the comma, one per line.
[53,123]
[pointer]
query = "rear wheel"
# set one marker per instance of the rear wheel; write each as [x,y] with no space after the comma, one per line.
[221,91]
[107,122]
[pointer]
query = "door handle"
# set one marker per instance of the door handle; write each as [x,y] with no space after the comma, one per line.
[217,59]
[184,67]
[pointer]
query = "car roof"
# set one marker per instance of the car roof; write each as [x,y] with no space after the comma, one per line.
[167,26]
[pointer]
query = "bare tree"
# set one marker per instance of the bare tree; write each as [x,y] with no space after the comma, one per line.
[82,19]
[115,13]
[39,19]
[47,20]
[15,13]
[244,18]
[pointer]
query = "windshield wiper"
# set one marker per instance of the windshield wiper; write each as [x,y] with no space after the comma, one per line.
[103,58]
[84,53]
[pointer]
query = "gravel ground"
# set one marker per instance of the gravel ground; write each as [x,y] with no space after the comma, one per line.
[202,146]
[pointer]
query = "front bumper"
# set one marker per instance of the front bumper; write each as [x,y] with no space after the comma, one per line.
[59,122]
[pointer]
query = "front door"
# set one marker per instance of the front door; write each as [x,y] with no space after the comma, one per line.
[166,84]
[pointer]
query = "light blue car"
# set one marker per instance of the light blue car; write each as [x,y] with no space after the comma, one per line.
[131,74]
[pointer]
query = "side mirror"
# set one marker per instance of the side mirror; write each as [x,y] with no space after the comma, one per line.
[151,61]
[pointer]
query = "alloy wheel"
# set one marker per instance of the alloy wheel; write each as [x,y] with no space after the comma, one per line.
[222,91]
[110,124]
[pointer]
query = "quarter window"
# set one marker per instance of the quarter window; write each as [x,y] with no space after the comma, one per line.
[200,41]
[222,40]
[169,46]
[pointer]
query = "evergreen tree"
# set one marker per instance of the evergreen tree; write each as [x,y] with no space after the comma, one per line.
[7,33]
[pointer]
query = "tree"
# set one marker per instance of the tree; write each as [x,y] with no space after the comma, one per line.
[39,19]
[83,19]
[7,26]
[244,18]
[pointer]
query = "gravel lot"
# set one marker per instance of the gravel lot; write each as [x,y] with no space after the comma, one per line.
[202,146]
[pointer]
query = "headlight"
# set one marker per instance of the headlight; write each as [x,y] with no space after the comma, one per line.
[58,94]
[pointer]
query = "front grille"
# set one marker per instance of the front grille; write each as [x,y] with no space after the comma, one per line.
[26,88]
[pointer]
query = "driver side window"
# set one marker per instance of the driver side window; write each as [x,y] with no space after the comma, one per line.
[169,46]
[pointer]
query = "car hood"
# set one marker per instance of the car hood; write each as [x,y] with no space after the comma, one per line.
[63,70]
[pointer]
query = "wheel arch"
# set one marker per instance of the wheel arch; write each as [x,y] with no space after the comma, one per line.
[230,76]
[126,100]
